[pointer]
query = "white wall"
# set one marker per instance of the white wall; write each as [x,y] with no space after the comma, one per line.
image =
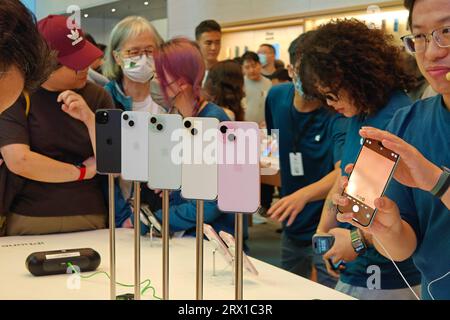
[46,7]
[101,28]
[185,15]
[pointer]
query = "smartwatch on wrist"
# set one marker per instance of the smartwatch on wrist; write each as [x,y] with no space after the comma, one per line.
[442,185]
[358,243]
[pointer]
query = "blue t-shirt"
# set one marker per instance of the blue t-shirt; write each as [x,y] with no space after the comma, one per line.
[183,213]
[320,147]
[357,272]
[426,126]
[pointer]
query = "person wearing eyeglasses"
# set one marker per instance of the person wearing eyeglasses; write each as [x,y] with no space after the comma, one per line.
[129,64]
[357,72]
[130,67]
[49,142]
[414,218]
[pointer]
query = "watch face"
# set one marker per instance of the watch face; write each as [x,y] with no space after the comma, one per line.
[358,245]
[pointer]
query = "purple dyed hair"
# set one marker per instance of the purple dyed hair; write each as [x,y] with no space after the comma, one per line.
[180,58]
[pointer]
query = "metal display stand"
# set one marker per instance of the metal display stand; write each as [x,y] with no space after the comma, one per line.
[137,240]
[239,256]
[199,251]
[165,242]
[112,237]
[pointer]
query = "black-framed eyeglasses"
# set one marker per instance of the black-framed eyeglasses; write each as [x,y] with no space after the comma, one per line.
[417,43]
[134,52]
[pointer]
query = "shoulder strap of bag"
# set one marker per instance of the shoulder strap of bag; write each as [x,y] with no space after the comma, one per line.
[28,103]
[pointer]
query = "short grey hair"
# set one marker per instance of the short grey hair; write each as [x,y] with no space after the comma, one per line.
[127,28]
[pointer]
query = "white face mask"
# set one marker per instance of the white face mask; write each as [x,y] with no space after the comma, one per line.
[139,69]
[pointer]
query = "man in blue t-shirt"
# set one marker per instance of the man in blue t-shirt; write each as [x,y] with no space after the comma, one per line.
[416,222]
[310,141]
[414,217]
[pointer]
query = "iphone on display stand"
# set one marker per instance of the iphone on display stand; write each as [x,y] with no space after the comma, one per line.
[199,165]
[230,242]
[238,167]
[108,140]
[217,243]
[135,146]
[164,171]
[372,172]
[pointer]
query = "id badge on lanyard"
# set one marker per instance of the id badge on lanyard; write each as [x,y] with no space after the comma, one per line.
[296,162]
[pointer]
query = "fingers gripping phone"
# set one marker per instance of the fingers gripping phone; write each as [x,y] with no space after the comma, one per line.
[164,171]
[135,146]
[217,243]
[108,141]
[199,163]
[373,169]
[238,167]
[229,240]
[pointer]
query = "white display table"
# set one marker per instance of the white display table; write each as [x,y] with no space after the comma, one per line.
[17,283]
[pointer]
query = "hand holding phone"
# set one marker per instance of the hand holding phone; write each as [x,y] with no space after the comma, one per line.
[322,243]
[373,170]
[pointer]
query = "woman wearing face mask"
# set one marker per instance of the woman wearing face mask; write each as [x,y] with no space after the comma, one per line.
[360,74]
[180,69]
[129,64]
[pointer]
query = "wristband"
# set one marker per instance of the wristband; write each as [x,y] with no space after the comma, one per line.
[442,185]
[358,242]
[83,170]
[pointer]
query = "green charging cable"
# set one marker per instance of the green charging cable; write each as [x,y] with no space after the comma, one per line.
[147,287]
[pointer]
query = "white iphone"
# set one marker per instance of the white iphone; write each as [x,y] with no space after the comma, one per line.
[135,146]
[199,163]
[164,166]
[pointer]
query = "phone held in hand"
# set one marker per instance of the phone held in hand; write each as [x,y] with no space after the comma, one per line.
[322,243]
[372,172]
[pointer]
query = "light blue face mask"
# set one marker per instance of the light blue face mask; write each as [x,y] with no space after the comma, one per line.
[298,86]
[262,59]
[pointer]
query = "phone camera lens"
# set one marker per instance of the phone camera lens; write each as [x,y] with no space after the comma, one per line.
[194,131]
[131,123]
[102,117]
[187,124]
[126,117]
[223,129]
[159,127]
[231,138]
[153,120]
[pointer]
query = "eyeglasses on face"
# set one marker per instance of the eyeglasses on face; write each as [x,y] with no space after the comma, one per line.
[417,43]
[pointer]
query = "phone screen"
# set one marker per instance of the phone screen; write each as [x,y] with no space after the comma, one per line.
[368,180]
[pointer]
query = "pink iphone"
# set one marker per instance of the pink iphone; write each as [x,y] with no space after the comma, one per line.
[229,240]
[217,243]
[238,167]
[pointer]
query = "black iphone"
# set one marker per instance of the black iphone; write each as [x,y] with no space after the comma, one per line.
[108,140]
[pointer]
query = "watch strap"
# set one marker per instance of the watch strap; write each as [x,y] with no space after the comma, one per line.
[443,183]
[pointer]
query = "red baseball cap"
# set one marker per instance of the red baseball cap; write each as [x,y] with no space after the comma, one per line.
[73,50]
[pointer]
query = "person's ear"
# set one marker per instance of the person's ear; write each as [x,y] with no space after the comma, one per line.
[291,72]
[117,58]
[184,86]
